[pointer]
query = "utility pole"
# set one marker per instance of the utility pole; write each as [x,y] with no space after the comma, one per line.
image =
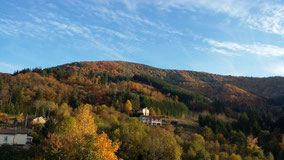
[26,121]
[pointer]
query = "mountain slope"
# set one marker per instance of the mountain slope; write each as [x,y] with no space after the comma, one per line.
[237,90]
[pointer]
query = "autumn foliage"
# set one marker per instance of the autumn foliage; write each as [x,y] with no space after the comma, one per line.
[108,128]
[81,141]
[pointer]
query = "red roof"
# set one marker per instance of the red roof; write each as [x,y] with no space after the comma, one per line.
[13,131]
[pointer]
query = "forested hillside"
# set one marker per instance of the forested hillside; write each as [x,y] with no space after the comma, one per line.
[215,117]
[240,91]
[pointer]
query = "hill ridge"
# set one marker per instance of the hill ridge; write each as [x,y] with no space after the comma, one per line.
[137,63]
[244,91]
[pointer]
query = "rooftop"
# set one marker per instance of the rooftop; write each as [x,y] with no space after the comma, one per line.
[13,131]
[154,117]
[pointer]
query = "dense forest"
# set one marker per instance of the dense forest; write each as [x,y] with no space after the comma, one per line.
[91,109]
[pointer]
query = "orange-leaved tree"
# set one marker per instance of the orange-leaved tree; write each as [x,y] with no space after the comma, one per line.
[80,140]
[3,116]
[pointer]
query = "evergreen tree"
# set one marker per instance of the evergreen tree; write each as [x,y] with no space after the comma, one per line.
[218,106]
[244,123]
[104,78]
[17,95]
[92,74]
[280,123]
[1,84]
[238,138]
[39,94]
[49,127]
[73,100]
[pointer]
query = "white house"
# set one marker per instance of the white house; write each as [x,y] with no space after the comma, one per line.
[144,111]
[15,137]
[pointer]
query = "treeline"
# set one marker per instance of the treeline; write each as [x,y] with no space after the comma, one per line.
[166,107]
[183,95]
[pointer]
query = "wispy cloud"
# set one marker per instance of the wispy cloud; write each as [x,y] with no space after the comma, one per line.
[110,32]
[52,26]
[224,52]
[17,28]
[49,24]
[130,4]
[265,16]
[236,8]
[270,19]
[109,50]
[231,48]
[122,18]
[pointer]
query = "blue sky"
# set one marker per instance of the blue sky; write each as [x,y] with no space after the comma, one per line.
[229,37]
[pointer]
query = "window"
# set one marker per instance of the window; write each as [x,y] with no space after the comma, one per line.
[6,139]
[29,140]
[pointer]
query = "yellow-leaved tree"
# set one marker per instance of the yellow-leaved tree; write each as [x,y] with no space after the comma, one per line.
[235,157]
[20,117]
[80,140]
[128,107]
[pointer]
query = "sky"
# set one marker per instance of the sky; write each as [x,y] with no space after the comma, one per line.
[228,37]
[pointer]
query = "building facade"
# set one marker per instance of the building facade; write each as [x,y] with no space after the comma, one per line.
[15,137]
[151,120]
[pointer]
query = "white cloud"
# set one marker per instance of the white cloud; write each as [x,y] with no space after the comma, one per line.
[224,52]
[270,19]
[226,45]
[257,49]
